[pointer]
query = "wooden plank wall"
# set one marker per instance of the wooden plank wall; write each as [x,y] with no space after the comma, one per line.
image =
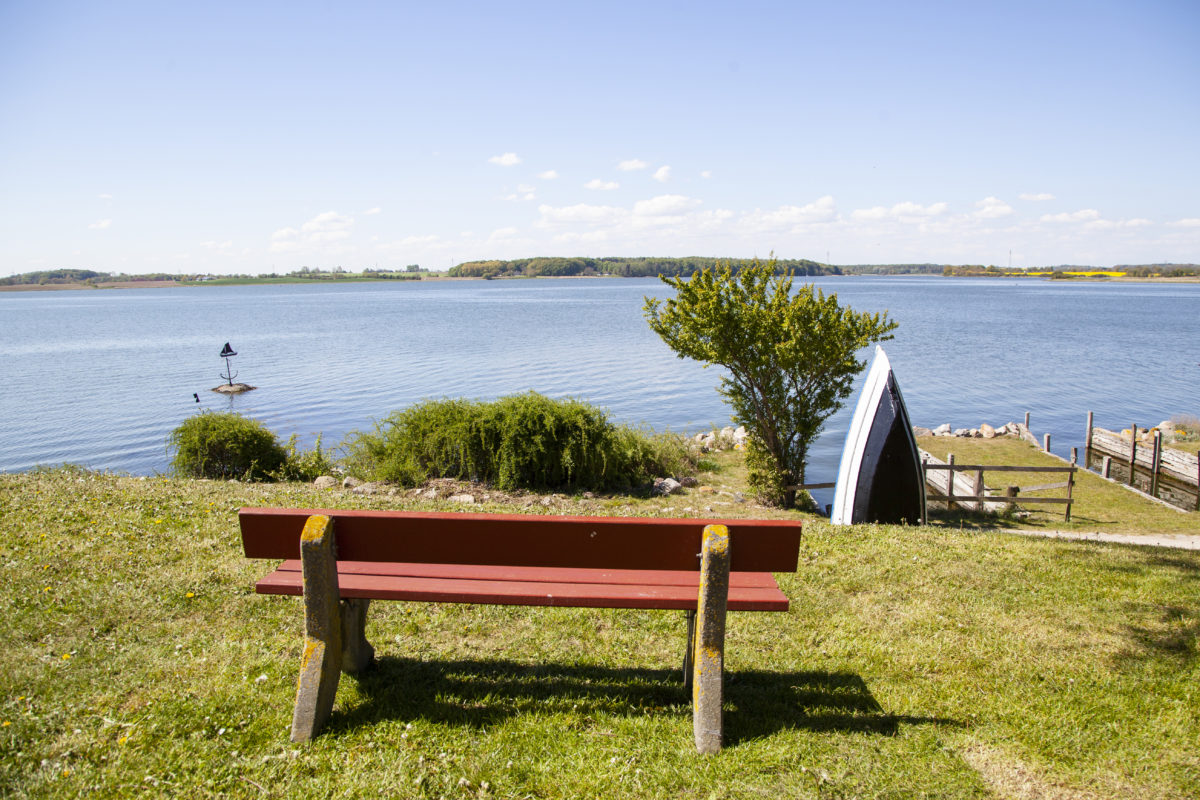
[1163,472]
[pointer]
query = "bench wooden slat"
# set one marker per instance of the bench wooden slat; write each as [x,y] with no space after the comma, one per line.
[675,596]
[760,580]
[523,540]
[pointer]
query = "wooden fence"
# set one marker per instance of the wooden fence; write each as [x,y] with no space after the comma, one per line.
[1162,472]
[963,485]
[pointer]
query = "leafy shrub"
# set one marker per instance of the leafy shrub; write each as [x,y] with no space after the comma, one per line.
[770,483]
[1186,427]
[520,441]
[223,446]
[304,465]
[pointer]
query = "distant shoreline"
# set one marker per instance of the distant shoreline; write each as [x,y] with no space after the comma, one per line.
[163,284]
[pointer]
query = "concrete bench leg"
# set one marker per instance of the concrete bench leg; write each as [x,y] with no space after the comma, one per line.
[357,653]
[689,650]
[321,663]
[709,657]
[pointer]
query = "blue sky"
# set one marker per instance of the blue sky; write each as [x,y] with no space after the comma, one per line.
[252,137]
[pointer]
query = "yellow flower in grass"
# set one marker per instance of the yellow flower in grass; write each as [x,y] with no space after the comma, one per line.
[190,594]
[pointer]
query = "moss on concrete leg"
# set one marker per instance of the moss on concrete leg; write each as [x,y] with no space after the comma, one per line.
[708,660]
[321,663]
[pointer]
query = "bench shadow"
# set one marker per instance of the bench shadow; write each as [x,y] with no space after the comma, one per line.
[480,693]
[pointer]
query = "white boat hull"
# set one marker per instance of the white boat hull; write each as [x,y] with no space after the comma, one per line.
[880,478]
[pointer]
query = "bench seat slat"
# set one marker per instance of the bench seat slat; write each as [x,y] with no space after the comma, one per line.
[678,592]
[760,580]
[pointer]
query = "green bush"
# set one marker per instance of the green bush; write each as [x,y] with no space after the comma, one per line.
[521,441]
[304,465]
[223,446]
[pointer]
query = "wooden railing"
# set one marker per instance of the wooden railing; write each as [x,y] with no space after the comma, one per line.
[972,493]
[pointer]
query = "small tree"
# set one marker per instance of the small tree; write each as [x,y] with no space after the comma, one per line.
[790,356]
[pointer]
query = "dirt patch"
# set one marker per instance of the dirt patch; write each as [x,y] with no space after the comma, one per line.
[1009,779]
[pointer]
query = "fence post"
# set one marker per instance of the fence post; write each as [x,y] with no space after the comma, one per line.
[1106,468]
[1026,420]
[1087,442]
[950,482]
[1070,484]
[1132,453]
[1155,460]
[1046,443]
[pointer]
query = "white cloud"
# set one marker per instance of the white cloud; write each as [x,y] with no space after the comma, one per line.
[372,211]
[525,188]
[324,228]
[662,174]
[328,226]
[601,186]
[214,245]
[502,233]
[506,160]
[1109,224]
[992,207]
[1083,215]
[548,175]
[105,196]
[581,213]
[632,164]
[792,217]
[664,204]
[905,212]
[1189,222]
[1037,198]
[706,173]
[100,225]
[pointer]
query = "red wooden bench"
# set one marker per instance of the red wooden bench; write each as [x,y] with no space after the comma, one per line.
[340,560]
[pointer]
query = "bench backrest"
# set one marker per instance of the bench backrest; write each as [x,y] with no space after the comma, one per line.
[523,540]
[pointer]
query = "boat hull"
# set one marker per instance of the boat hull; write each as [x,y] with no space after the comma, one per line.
[880,477]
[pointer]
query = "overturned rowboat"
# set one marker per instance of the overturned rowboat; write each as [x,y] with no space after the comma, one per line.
[880,477]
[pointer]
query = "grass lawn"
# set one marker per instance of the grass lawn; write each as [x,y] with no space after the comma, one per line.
[135,660]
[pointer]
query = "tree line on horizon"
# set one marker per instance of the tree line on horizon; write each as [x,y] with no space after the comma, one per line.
[639,267]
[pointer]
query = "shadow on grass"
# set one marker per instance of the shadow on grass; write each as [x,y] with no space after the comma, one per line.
[480,693]
[969,520]
[1161,632]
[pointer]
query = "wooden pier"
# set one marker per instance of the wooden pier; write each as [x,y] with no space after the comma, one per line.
[1145,464]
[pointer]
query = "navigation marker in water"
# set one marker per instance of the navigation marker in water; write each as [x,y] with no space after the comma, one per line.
[230,387]
[226,352]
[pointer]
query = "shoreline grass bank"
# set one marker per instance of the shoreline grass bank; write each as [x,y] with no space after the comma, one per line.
[135,659]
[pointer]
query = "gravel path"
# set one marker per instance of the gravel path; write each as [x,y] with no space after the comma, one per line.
[1183,541]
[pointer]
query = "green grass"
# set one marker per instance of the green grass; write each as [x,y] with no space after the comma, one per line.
[135,660]
[1099,505]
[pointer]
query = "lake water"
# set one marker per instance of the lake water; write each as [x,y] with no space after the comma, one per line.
[101,377]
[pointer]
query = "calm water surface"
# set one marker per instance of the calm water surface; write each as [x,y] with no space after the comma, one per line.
[101,377]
